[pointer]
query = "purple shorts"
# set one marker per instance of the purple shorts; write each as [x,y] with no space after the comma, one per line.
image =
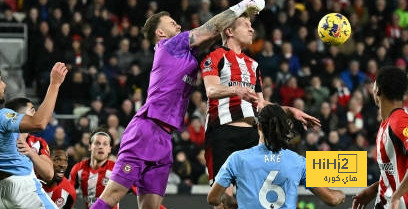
[145,157]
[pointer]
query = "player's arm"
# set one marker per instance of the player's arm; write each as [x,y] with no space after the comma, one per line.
[213,27]
[365,196]
[401,190]
[40,119]
[329,196]
[42,163]
[258,88]
[215,194]
[215,90]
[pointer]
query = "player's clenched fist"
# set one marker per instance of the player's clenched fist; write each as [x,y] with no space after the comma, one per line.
[58,73]
[250,6]
[255,6]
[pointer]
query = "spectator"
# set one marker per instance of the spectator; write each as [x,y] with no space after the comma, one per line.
[355,116]
[60,139]
[145,56]
[81,126]
[8,16]
[97,112]
[353,77]
[76,56]
[329,72]
[334,141]
[283,74]
[293,59]
[196,131]
[204,11]
[328,119]
[103,90]
[125,57]
[195,101]
[126,112]
[268,60]
[290,91]
[113,123]
[316,94]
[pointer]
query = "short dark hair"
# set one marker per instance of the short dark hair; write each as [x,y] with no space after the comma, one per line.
[392,83]
[53,151]
[17,104]
[101,131]
[149,29]
[276,126]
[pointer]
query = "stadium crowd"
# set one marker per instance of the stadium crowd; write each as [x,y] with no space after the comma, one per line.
[110,60]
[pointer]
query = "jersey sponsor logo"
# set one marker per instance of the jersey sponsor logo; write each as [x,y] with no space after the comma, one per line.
[405,132]
[387,168]
[242,84]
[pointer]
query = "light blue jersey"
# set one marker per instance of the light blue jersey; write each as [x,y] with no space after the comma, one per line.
[11,160]
[263,179]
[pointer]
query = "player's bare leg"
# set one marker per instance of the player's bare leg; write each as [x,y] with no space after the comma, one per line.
[149,201]
[113,193]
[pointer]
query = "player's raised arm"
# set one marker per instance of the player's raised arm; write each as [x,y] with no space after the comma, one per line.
[40,119]
[213,27]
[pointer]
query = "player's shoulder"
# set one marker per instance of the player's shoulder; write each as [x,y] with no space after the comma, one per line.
[67,184]
[252,151]
[217,53]
[110,163]
[213,57]
[398,118]
[82,164]
[173,42]
[7,114]
[293,155]
[249,58]
[34,138]
[399,114]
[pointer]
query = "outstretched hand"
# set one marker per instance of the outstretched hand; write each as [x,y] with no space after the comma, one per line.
[307,120]
[361,200]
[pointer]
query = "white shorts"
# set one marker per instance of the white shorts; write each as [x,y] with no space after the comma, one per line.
[24,192]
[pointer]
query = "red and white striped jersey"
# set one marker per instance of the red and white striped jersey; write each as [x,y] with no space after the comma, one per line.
[63,194]
[38,144]
[92,182]
[233,70]
[392,158]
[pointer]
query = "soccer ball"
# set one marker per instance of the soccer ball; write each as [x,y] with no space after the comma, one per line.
[334,29]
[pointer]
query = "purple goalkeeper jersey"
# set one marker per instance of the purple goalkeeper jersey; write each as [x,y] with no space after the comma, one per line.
[172,78]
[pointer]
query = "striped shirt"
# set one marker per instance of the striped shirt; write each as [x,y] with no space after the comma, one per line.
[392,150]
[63,194]
[91,181]
[234,70]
